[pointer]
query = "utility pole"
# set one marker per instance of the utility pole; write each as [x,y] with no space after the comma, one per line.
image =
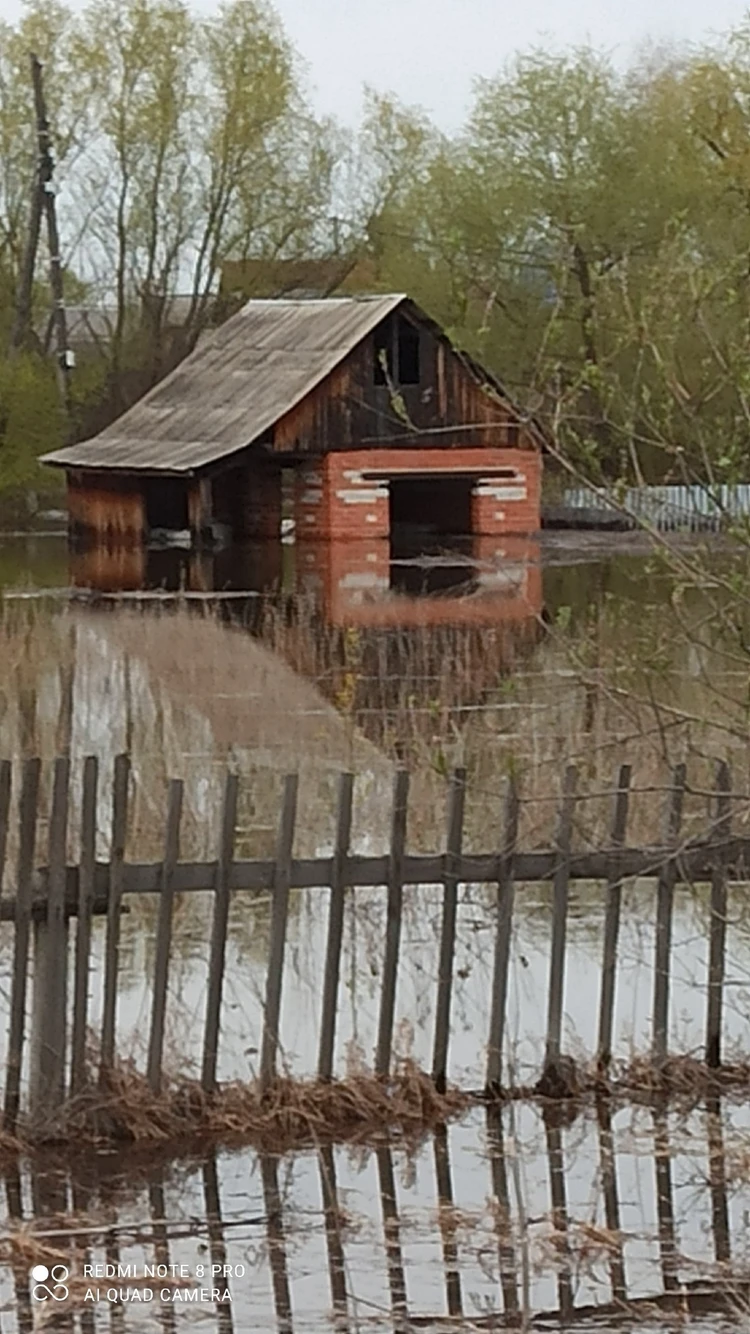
[43,202]
[22,321]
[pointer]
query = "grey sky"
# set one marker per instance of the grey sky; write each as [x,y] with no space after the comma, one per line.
[429,51]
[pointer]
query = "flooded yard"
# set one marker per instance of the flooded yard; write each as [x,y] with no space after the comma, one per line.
[641,1220]
[564,653]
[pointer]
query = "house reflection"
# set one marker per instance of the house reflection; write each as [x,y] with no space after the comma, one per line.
[387,633]
[479,581]
[251,567]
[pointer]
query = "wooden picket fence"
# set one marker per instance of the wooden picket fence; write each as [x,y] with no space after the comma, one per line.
[48,896]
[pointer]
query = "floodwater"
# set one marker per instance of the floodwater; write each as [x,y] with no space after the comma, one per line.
[526,656]
[498,1217]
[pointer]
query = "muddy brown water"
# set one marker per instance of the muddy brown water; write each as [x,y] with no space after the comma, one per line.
[403,1256]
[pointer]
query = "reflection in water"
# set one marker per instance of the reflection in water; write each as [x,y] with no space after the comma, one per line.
[383,1267]
[474,581]
[277,1254]
[506,1247]
[665,1201]
[560,1222]
[611,1201]
[333,1221]
[447,1221]
[392,1233]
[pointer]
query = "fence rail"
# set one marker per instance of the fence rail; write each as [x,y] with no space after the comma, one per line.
[52,898]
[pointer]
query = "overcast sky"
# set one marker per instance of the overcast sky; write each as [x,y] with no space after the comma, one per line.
[429,51]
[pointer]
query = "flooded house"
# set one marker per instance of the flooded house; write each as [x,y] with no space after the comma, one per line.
[354,415]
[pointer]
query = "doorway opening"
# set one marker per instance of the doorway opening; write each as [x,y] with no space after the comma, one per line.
[430,517]
[428,508]
[166,504]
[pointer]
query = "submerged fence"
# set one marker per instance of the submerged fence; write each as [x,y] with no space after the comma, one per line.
[694,508]
[50,895]
[446,1245]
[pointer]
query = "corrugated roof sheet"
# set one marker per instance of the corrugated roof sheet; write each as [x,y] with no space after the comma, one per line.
[233,387]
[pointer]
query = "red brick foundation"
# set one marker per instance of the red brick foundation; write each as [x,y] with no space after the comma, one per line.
[345,495]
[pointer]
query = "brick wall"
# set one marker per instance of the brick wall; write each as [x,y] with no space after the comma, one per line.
[344,495]
[512,505]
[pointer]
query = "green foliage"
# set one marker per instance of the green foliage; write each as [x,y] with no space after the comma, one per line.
[586,234]
[31,420]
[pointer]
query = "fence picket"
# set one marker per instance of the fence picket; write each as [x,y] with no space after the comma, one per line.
[164,934]
[279,913]
[612,921]
[456,802]
[502,941]
[559,926]
[394,908]
[219,933]
[27,820]
[114,908]
[720,857]
[49,1013]
[335,926]
[717,943]
[5,790]
[83,923]
[664,907]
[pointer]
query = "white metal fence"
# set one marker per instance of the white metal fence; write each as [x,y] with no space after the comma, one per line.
[668,508]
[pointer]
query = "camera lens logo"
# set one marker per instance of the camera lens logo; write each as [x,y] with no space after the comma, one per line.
[49,1283]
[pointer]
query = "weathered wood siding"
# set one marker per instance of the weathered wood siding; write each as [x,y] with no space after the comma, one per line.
[349,411]
[106,508]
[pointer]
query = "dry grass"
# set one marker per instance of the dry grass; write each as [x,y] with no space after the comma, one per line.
[297,692]
[291,1114]
[362,1108]
[681,1080]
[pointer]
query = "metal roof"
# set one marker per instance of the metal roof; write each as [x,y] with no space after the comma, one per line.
[235,385]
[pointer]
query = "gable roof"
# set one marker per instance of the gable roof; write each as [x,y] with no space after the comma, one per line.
[238,381]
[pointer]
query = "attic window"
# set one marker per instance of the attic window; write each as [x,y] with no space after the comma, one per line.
[396,351]
[513,435]
[408,353]
[383,366]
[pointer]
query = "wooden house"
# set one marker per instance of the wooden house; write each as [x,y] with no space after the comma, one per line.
[358,410]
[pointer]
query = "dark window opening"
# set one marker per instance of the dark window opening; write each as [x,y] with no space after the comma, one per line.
[513,435]
[166,503]
[408,353]
[396,352]
[383,343]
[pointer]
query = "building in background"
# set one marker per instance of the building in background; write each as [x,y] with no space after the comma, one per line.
[359,410]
